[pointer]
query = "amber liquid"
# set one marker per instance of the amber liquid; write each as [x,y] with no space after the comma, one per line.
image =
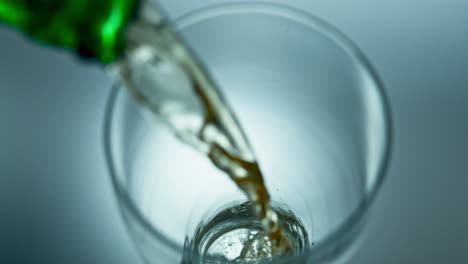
[164,75]
[245,174]
[252,184]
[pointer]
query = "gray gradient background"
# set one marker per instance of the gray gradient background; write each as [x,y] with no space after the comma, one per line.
[56,204]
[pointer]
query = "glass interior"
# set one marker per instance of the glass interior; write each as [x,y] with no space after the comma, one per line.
[310,105]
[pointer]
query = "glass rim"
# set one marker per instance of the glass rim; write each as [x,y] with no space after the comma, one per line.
[349,225]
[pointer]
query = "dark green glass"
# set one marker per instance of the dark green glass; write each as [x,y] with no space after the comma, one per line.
[92,28]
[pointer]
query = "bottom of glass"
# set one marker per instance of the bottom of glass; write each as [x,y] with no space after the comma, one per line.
[235,235]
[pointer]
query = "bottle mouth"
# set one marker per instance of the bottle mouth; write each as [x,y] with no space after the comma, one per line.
[343,237]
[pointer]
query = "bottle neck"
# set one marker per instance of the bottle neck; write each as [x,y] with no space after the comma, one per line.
[94,29]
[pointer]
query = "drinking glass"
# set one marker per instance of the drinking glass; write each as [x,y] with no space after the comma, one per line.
[312,107]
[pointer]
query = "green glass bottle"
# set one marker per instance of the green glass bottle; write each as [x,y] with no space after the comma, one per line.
[92,28]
